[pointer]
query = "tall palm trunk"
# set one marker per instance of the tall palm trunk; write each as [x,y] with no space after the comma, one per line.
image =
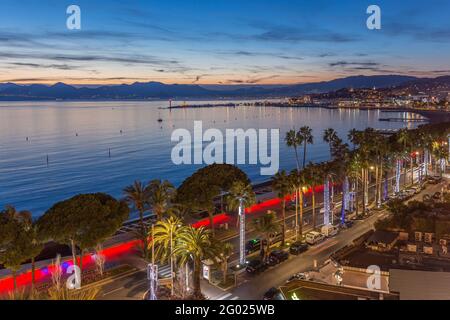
[225,271]
[196,285]
[296,214]
[296,159]
[283,214]
[301,214]
[380,182]
[411,166]
[357,196]
[313,195]
[211,221]
[363,173]
[376,185]
[304,154]
[143,234]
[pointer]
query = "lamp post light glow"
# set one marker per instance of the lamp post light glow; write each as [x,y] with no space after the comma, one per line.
[397,176]
[326,202]
[152,276]
[152,272]
[241,232]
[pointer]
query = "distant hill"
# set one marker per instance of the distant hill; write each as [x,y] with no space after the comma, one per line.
[427,85]
[157,90]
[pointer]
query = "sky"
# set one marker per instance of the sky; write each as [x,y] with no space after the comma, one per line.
[247,42]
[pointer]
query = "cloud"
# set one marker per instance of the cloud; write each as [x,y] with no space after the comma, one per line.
[44,66]
[251,80]
[353,64]
[78,79]
[172,64]
[242,53]
[419,32]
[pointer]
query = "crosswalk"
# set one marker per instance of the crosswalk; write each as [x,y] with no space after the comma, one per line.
[226,296]
[164,272]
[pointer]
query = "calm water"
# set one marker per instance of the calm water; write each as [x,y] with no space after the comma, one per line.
[77,137]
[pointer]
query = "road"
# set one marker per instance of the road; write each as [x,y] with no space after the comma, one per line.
[134,286]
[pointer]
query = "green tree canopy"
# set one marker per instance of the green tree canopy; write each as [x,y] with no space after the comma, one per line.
[84,220]
[17,239]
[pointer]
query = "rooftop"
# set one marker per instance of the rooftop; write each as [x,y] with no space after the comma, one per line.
[311,290]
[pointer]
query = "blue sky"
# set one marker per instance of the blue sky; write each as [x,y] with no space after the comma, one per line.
[220,42]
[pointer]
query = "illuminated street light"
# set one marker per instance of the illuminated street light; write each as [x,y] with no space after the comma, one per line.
[241,232]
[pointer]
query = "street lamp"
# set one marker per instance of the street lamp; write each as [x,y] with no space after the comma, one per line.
[241,232]
[152,273]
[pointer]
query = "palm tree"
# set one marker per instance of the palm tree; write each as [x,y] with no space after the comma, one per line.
[225,251]
[307,138]
[241,196]
[354,172]
[355,137]
[164,237]
[281,184]
[441,153]
[195,245]
[406,138]
[329,136]
[267,226]
[161,195]
[297,181]
[294,139]
[313,179]
[138,196]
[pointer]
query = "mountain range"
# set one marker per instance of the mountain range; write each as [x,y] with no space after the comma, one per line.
[157,90]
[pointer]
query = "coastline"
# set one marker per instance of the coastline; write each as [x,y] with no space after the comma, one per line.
[433,116]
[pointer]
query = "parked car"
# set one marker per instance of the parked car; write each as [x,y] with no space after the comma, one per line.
[348,224]
[252,246]
[298,247]
[277,237]
[299,276]
[314,237]
[330,230]
[437,196]
[255,266]
[277,256]
[434,179]
[417,189]
[272,294]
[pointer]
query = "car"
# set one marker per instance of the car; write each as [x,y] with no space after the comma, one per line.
[437,196]
[299,276]
[298,247]
[330,230]
[434,179]
[314,237]
[255,266]
[408,194]
[348,224]
[277,256]
[252,246]
[274,238]
[271,294]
